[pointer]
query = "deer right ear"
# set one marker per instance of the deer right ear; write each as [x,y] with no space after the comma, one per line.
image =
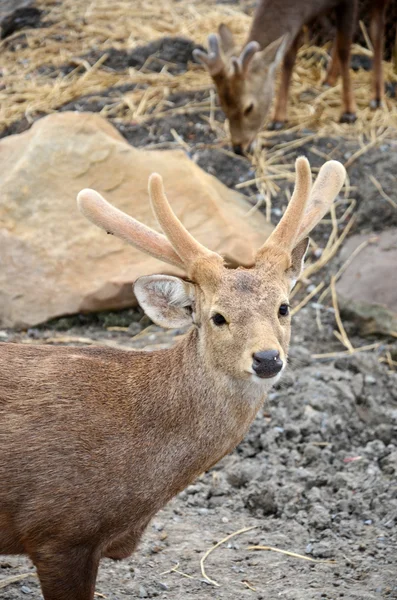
[168,301]
[297,261]
[271,56]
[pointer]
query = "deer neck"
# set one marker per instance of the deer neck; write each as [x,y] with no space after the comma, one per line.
[269,23]
[203,413]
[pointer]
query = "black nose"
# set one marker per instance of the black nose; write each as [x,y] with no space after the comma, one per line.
[238,149]
[267,363]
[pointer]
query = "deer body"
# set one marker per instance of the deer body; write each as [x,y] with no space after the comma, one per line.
[275,18]
[245,82]
[94,441]
[90,427]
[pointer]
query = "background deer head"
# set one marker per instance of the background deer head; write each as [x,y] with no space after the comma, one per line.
[241,315]
[245,82]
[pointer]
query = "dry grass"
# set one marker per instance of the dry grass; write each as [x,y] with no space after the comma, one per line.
[77,27]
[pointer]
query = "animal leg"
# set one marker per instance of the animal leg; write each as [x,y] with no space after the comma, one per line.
[333,71]
[67,575]
[345,22]
[377,29]
[280,113]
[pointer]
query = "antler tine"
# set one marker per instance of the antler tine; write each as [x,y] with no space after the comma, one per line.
[247,55]
[183,242]
[286,231]
[213,60]
[97,210]
[326,187]
[236,65]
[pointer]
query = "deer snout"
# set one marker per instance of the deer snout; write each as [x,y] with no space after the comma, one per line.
[267,363]
[243,149]
[238,149]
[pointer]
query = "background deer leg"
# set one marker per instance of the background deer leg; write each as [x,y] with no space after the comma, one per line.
[67,575]
[395,54]
[280,113]
[345,20]
[333,71]
[377,29]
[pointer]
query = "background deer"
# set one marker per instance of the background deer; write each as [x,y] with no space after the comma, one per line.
[95,441]
[245,82]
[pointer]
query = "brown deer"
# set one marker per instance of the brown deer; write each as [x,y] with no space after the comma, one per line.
[94,441]
[245,83]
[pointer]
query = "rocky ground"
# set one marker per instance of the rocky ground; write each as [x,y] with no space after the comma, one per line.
[317,473]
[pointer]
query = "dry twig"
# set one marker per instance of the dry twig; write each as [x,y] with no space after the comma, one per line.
[223,541]
[293,554]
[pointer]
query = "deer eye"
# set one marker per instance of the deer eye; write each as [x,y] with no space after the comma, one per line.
[248,109]
[218,319]
[283,311]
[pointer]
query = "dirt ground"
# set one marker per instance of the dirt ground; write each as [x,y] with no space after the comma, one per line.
[317,473]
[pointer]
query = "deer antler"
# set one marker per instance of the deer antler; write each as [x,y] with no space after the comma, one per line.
[182,241]
[298,220]
[213,60]
[180,249]
[327,186]
[97,210]
[246,56]
[286,231]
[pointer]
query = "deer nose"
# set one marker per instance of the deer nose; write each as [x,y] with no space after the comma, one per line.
[238,149]
[267,363]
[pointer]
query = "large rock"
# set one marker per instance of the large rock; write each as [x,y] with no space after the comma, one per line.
[368,287]
[53,261]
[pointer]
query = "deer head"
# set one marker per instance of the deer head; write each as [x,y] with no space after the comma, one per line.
[245,82]
[241,315]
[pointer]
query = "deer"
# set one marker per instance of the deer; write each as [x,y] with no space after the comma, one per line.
[95,440]
[245,81]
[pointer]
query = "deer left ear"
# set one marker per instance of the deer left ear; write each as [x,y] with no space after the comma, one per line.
[297,260]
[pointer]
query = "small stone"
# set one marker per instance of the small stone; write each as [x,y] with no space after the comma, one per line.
[262,499]
[163,586]
[319,517]
[142,592]
[203,511]
[26,590]
[240,474]
[369,379]
[322,550]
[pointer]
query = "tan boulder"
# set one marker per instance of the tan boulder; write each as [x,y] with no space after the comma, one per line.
[53,261]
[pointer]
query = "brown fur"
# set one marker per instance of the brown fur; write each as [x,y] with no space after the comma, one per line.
[95,441]
[239,90]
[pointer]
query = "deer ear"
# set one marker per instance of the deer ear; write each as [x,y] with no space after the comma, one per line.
[271,56]
[168,301]
[297,260]
[227,40]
